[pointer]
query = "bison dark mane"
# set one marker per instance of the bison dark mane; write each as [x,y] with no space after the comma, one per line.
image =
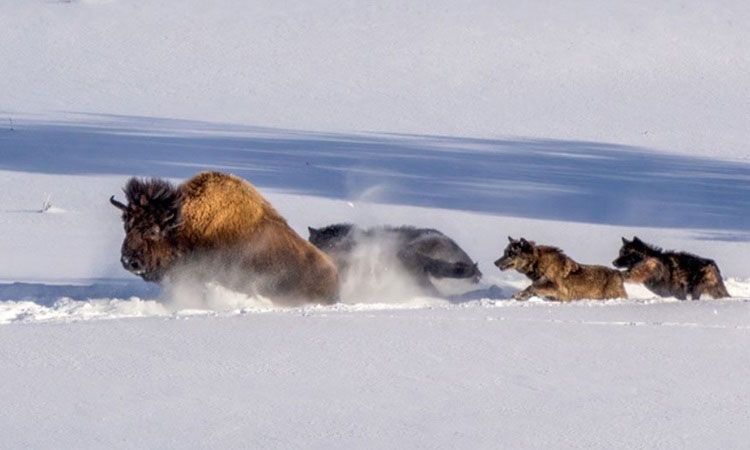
[155,193]
[154,201]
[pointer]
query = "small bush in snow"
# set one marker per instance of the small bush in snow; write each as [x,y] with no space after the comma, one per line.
[46,204]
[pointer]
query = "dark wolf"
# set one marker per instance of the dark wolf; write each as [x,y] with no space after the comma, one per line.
[222,225]
[668,273]
[422,252]
[556,276]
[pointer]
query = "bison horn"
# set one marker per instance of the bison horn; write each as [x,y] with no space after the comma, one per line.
[117,204]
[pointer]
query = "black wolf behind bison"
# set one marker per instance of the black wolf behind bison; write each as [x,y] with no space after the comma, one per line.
[219,226]
[556,276]
[670,274]
[421,252]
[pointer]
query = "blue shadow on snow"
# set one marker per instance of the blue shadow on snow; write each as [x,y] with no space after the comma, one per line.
[535,178]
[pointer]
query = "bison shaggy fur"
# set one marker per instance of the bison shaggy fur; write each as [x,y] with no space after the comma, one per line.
[221,225]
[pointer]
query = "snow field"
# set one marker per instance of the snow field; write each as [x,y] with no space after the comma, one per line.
[534,376]
[599,120]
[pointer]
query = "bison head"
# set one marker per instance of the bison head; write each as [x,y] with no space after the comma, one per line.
[151,219]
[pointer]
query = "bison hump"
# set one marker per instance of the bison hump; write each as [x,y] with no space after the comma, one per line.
[220,209]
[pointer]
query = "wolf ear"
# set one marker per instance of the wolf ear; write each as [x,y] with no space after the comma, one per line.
[312,231]
[525,243]
[570,266]
[625,241]
[636,240]
[510,239]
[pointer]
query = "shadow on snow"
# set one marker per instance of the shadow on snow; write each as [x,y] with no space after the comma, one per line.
[536,178]
[48,294]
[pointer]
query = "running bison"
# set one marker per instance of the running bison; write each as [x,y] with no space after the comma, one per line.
[421,252]
[221,228]
[556,276]
[670,274]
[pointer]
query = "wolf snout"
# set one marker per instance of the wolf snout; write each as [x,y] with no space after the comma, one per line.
[504,263]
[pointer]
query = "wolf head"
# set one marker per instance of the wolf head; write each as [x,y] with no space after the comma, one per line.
[333,239]
[519,254]
[632,253]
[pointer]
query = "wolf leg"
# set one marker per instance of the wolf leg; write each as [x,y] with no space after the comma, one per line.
[524,294]
[715,290]
[418,262]
[415,264]
[718,290]
[549,291]
[713,284]
[545,289]
[442,269]
[427,287]
[697,291]
[648,270]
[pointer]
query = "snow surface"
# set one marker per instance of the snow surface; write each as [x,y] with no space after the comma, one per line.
[569,123]
[666,375]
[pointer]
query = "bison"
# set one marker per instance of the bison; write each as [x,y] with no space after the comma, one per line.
[224,230]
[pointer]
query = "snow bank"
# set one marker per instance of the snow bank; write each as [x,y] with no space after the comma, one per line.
[215,300]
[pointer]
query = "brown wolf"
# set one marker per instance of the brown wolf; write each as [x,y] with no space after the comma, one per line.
[223,222]
[670,274]
[556,276]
